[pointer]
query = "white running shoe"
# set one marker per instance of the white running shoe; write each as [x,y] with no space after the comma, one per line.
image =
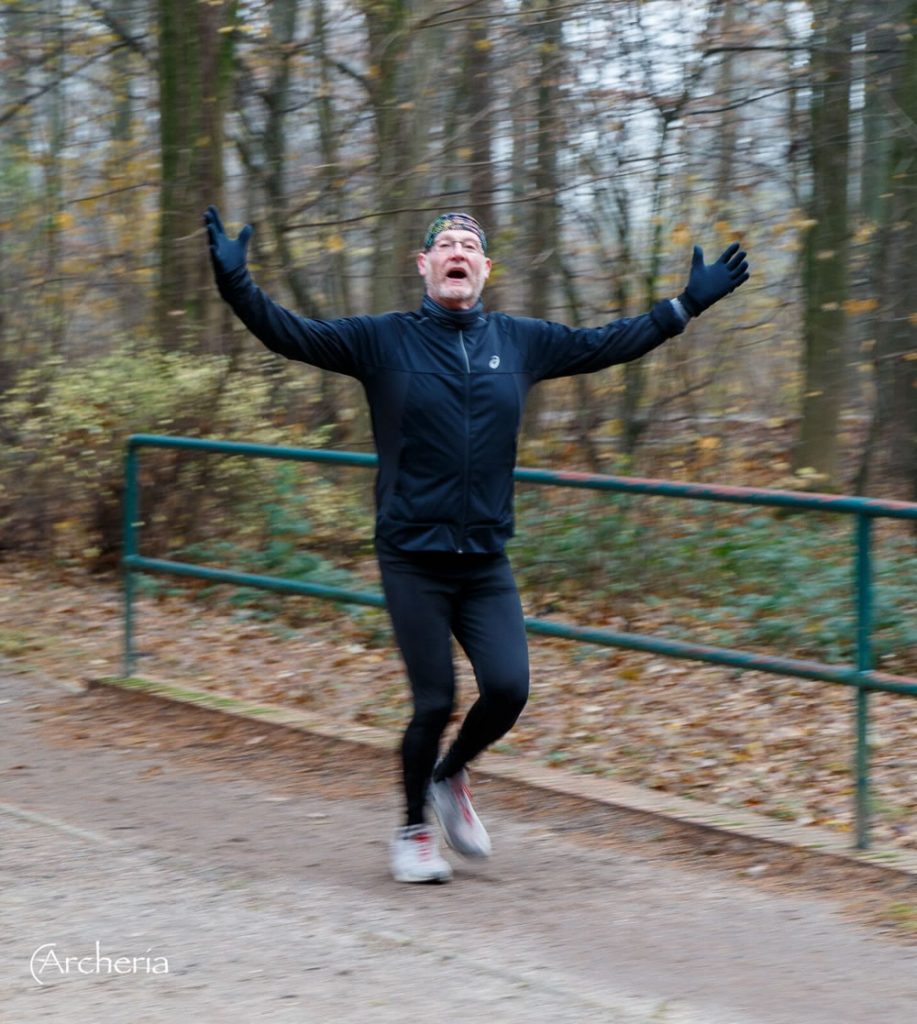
[451,802]
[416,858]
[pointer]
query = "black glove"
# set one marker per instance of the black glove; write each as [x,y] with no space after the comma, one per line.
[709,283]
[227,254]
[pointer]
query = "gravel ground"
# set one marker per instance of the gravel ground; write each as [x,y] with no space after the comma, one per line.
[254,862]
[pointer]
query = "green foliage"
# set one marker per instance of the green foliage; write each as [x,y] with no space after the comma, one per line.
[722,576]
[279,552]
[65,427]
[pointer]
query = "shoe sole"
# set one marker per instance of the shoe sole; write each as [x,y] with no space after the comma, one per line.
[421,879]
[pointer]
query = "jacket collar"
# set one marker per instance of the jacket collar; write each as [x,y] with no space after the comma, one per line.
[457,319]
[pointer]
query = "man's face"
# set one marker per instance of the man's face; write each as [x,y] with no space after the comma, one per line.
[454,269]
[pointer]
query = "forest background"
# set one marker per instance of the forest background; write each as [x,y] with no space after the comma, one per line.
[598,141]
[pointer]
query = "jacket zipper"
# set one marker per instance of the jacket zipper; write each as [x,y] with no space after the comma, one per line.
[466,468]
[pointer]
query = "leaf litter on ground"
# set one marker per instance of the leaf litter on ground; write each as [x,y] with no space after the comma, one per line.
[780,747]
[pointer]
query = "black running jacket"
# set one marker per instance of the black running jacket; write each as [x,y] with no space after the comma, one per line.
[446,390]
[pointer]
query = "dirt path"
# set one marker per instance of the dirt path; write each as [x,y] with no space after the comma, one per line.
[253,887]
[777,747]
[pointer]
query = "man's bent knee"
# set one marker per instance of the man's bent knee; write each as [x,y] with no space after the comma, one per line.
[509,694]
[433,717]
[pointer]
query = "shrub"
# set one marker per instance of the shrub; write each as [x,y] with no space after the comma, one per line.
[65,427]
[709,574]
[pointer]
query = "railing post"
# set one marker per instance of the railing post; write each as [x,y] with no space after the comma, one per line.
[129,550]
[864,664]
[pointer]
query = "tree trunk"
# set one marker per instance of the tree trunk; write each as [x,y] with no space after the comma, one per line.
[277,99]
[817,454]
[53,298]
[633,417]
[897,342]
[195,77]
[336,391]
[477,73]
[585,417]
[544,231]
[394,279]
[14,175]
[125,204]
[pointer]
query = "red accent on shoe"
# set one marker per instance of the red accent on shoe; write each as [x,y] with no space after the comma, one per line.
[463,796]
[426,845]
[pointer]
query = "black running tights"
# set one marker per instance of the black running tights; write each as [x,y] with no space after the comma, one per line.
[431,597]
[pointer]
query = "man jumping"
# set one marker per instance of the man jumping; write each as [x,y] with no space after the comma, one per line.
[446,386]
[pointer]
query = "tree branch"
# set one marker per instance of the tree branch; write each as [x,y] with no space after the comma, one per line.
[137,44]
[16,108]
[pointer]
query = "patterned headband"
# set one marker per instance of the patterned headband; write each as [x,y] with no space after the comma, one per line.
[454,222]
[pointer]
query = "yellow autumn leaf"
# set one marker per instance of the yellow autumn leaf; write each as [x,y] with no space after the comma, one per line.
[680,234]
[864,233]
[855,306]
[334,243]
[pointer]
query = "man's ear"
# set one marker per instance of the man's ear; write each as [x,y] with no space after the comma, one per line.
[422,263]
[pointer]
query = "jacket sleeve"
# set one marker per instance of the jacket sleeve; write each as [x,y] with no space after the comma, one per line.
[555,350]
[329,344]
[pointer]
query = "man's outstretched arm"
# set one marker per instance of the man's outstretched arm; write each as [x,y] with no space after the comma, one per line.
[565,351]
[330,344]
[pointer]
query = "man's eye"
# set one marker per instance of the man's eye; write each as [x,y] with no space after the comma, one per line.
[469,247]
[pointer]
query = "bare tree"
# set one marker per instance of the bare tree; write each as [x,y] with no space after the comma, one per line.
[897,341]
[827,249]
[195,72]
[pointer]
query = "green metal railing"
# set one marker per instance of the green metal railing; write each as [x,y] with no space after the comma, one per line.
[861,676]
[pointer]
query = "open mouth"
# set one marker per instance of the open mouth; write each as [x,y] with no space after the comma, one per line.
[457,274]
